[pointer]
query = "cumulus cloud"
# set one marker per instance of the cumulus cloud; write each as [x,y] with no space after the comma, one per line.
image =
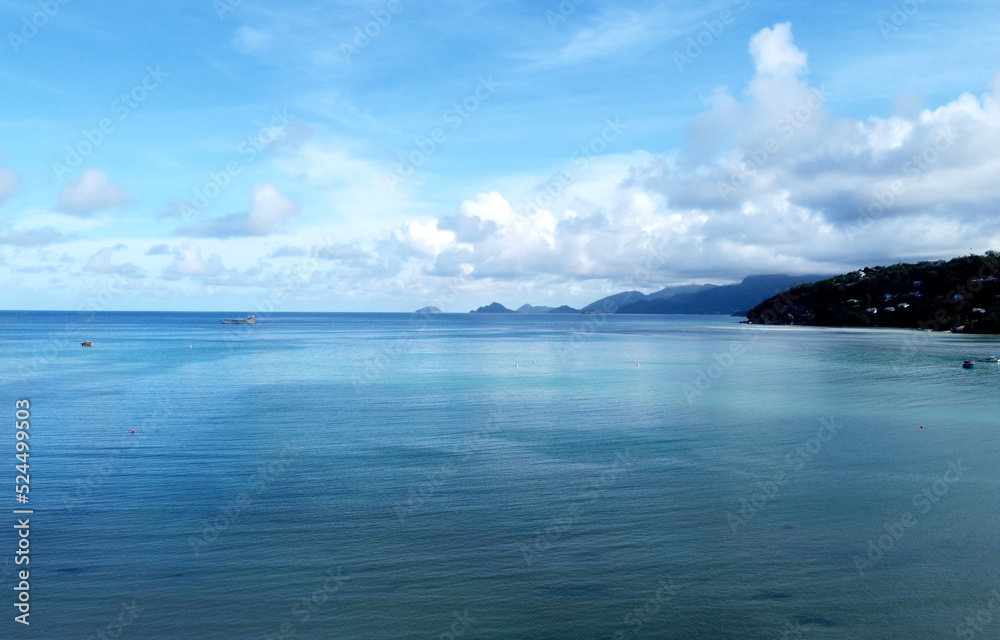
[269,209]
[100,262]
[32,237]
[9,184]
[774,53]
[777,182]
[288,251]
[771,181]
[189,263]
[91,193]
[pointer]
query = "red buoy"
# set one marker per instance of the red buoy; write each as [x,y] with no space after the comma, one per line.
[133,430]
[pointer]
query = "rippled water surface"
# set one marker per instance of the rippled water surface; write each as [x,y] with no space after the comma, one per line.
[382,476]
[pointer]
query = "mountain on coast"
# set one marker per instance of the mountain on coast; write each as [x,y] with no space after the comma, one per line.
[704,299]
[962,294]
[725,300]
[527,308]
[613,303]
[496,307]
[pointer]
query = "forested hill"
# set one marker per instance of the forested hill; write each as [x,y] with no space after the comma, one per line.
[961,294]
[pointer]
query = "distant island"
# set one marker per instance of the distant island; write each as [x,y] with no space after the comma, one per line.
[733,299]
[961,295]
[429,310]
[701,299]
[496,307]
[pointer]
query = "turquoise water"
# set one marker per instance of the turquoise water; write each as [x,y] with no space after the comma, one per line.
[374,476]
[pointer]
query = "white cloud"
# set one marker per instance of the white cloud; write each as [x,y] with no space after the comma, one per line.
[345,184]
[189,263]
[101,262]
[288,251]
[9,184]
[269,209]
[92,192]
[39,236]
[767,180]
[776,187]
[774,53]
[612,33]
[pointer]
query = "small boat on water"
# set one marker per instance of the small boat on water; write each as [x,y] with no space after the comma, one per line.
[87,343]
[987,359]
[247,320]
[968,364]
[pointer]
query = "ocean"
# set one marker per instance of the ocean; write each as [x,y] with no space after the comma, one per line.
[480,476]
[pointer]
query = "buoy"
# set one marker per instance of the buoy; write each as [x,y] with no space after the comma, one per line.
[921,426]
[637,365]
[133,430]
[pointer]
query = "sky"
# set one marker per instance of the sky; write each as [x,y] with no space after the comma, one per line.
[386,155]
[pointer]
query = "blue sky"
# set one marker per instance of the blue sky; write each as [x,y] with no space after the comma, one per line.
[465,152]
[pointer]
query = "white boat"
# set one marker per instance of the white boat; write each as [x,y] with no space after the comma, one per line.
[987,359]
[247,320]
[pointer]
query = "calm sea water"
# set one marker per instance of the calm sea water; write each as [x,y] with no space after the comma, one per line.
[369,476]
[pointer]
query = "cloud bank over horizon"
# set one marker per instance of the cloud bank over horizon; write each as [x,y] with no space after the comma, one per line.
[765,176]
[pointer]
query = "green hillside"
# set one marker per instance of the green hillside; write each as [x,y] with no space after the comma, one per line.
[961,294]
